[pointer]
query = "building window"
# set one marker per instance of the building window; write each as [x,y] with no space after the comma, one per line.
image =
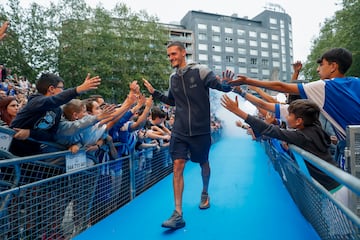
[284,66]
[276,64]
[202,26]
[202,36]
[275,55]
[216,38]
[266,72]
[231,68]
[229,49]
[215,28]
[273,21]
[275,46]
[216,58]
[217,68]
[253,43]
[242,51]
[264,45]
[216,48]
[253,61]
[264,53]
[203,47]
[241,32]
[282,24]
[253,52]
[203,57]
[229,30]
[229,59]
[275,37]
[252,34]
[265,62]
[228,39]
[254,70]
[264,35]
[242,60]
[242,70]
[241,41]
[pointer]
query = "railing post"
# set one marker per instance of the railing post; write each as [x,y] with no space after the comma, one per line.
[132,175]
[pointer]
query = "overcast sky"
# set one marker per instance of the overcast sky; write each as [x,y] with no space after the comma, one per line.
[307,15]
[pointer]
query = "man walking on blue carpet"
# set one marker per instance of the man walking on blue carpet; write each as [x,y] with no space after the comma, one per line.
[189,93]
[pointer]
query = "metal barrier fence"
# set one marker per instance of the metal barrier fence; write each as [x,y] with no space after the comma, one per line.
[45,197]
[330,218]
[57,195]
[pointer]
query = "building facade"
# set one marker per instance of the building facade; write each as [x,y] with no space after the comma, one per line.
[259,48]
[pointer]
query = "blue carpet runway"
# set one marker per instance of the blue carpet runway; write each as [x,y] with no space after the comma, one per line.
[248,202]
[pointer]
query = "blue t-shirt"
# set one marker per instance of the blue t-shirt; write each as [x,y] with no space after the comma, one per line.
[339,100]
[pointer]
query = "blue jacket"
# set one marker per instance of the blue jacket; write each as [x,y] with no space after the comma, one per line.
[189,93]
[70,132]
[42,114]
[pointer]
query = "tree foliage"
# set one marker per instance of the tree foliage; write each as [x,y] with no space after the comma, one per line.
[72,39]
[342,30]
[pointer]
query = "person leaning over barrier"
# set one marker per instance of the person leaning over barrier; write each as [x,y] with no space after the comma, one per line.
[308,135]
[331,93]
[40,117]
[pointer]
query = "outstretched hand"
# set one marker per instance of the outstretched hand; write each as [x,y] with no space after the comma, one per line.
[148,86]
[297,66]
[149,102]
[240,80]
[227,76]
[229,104]
[3,29]
[89,84]
[232,106]
[134,87]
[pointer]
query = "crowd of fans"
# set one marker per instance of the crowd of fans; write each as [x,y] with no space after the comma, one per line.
[137,122]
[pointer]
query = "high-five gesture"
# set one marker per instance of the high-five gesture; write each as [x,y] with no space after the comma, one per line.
[227,76]
[240,80]
[148,86]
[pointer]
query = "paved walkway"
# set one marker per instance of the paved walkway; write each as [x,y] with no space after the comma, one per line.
[248,202]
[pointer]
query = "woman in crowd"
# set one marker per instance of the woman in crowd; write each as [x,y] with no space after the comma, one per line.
[9,107]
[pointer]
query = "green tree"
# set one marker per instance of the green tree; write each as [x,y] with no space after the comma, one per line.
[12,47]
[118,45]
[72,39]
[342,30]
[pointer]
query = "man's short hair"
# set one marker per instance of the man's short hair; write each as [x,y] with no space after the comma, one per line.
[177,44]
[46,80]
[341,56]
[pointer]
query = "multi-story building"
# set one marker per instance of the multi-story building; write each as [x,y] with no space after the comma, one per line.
[260,47]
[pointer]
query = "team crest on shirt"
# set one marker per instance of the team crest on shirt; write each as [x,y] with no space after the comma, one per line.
[46,122]
[192,83]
